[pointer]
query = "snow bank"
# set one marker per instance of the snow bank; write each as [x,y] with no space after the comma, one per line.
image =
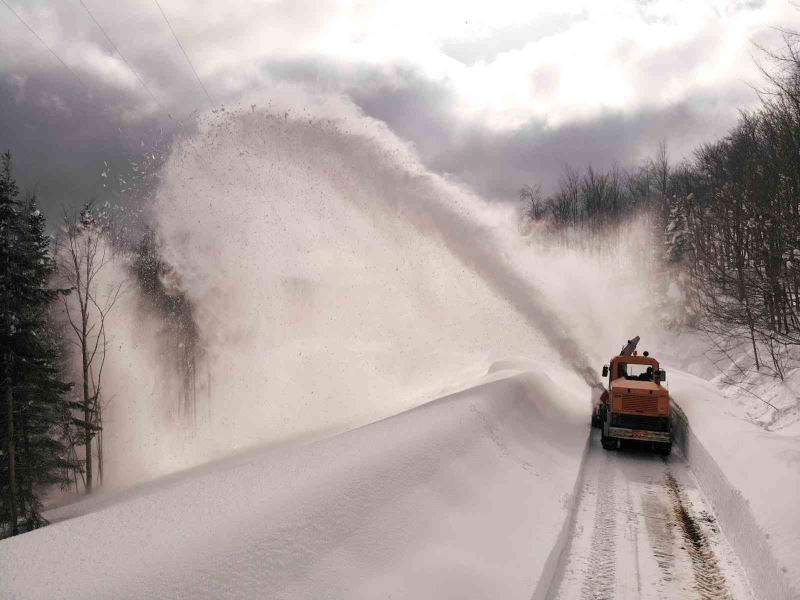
[753,479]
[751,395]
[463,497]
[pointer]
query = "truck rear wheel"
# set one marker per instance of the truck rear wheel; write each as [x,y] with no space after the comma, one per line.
[664,449]
[608,443]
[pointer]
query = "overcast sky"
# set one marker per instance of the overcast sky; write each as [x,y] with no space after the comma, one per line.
[497,93]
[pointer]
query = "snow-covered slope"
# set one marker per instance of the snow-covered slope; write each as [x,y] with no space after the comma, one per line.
[463,497]
[752,477]
[758,397]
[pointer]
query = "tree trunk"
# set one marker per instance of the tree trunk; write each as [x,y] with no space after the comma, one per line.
[29,514]
[99,442]
[10,449]
[87,418]
[753,339]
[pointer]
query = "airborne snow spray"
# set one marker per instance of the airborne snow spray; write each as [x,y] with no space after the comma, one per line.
[333,281]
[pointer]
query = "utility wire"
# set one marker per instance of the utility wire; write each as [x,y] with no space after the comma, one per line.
[42,42]
[114,46]
[246,162]
[186,56]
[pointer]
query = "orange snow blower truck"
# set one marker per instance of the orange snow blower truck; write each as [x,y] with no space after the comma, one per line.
[635,406]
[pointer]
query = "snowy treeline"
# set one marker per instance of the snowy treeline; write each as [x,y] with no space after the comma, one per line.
[54,341]
[596,201]
[37,425]
[734,224]
[726,222]
[57,293]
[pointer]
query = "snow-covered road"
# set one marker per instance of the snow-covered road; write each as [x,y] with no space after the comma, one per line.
[489,492]
[643,529]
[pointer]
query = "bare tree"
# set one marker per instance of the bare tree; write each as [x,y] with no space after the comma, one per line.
[83,255]
[534,200]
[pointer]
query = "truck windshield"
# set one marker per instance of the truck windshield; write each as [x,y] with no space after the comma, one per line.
[637,372]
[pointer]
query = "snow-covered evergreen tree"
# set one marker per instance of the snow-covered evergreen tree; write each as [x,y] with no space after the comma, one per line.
[11,287]
[35,405]
[45,409]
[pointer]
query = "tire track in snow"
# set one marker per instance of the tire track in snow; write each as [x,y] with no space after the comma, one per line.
[600,574]
[643,530]
[709,580]
[660,532]
[632,538]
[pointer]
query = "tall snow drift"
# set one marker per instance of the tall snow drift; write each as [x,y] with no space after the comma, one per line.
[466,495]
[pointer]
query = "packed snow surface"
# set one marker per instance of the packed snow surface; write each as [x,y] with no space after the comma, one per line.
[645,530]
[463,497]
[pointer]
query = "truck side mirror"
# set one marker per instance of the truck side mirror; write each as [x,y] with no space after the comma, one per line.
[605,370]
[662,375]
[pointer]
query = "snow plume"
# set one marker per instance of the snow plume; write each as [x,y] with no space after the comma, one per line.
[328,279]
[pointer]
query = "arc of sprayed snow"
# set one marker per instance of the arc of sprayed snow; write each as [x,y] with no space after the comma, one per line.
[420,202]
[485,259]
[471,242]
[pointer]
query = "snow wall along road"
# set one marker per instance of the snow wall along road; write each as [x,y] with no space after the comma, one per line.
[463,497]
[333,281]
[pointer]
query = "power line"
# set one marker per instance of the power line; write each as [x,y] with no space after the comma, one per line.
[114,46]
[42,42]
[208,96]
[174,35]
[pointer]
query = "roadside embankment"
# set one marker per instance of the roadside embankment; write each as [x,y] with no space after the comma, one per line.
[467,496]
[751,476]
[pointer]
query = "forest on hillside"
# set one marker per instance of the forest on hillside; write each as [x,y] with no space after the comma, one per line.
[725,223]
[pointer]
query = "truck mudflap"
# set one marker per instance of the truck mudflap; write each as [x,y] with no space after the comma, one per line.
[639,434]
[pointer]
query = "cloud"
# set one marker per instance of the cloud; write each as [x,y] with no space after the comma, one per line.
[505,63]
[498,163]
[496,94]
[62,141]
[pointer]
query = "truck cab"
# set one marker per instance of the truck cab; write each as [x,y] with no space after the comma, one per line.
[636,405]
